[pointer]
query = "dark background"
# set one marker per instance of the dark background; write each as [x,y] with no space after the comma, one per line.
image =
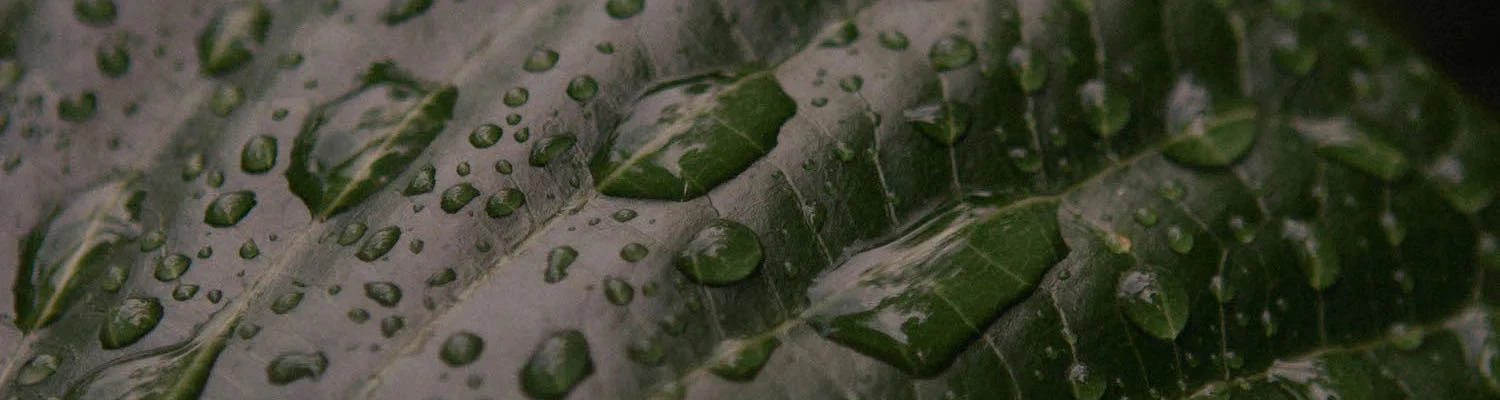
[1462,37]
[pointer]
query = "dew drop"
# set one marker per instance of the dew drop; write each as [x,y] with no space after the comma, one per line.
[378,244]
[1154,301]
[547,149]
[462,348]
[633,252]
[386,294]
[722,253]
[558,261]
[485,136]
[951,52]
[516,97]
[128,322]
[258,155]
[1318,256]
[582,88]
[618,291]
[457,196]
[352,233]
[171,267]
[1028,67]
[894,40]
[423,182]
[740,360]
[556,365]
[291,367]
[1179,240]
[1107,112]
[622,9]
[540,60]
[504,202]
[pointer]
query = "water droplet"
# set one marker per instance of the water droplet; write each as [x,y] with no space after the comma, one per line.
[648,352]
[36,369]
[184,292]
[741,359]
[230,39]
[171,267]
[1244,231]
[112,59]
[504,202]
[386,294]
[442,277]
[951,52]
[1154,301]
[226,99]
[841,35]
[215,295]
[1319,257]
[1086,384]
[512,119]
[1214,143]
[286,302]
[94,12]
[894,40]
[358,315]
[1145,217]
[558,261]
[722,253]
[618,291]
[1342,141]
[516,97]
[1171,190]
[582,88]
[77,108]
[114,278]
[1405,337]
[1025,160]
[1291,56]
[557,365]
[1489,250]
[623,215]
[460,349]
[944,122]
[633,252]
[504,167]
[128,322]
[423,182]
[843,152]
[622,9]
[605,48]
[390,326]
[153,240]
[543,151]
[1180,241]
[1107,111]
[379,243]
[852,83]
[398,11]
[352,233]
[1029,68]
[1394,232]
[457,196]
[540,60]
[485,136]
[1223,291]
[258,155]
[1116,243]
[291,367]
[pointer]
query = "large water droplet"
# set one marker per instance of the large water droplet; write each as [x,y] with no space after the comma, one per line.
[618,291]
[171,267]
[1028,67]
[1213,143]
[558,261]
[1342,141]
[516,97]
[1107,111]
[944,122]
[582,88]
[1181,241]
[461,349]
[1154,301]
[291,367]
[258,155]
[129,322]
[1316,251]
[549,148]
[841,35]
[722,253]
[455,197]
[540,60]
[633,252]
[286,302]
[485,136]
[741,359]
[622,9]
[685,138]
[557,365]
[1086,384]
[378,244]
[951,52]
[386,294]
[352,233]
[504,202]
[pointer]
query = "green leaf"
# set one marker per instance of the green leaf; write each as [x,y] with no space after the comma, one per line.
[881,199]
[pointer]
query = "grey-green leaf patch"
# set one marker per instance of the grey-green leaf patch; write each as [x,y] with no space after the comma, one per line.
[68,248]
[910,302]
[1342,141]
[686,137]
[355,158]
[1214,143]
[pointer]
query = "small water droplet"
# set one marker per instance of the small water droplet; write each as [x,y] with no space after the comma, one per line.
[358,315]
[549,148]
[1107,111]
[623,215]
[457,196]
[582,88]
[153,240]
[504,202]
[226,99]
[423,182]
[1244,231]
[1318,256]
[1086,384]
[352,233]
[1025,160]
[841,35]
[1115,242]
[378,244]
[622,9]
[398,11]
[618,291]
[128,322]
[95,12]
[633,252]
[258,155]
[1028,67]
[516,97]
[1179,240]
[114,278]
[944,122]
[442,277]
[113,59]
[852,83]
[184,292]
[1171,190]
[648,352]
[386,294]
[1291,56]
[1145,217]
[390,326]
[1395,233]
[740,360]
[171,267]
[894,40]
[286,302]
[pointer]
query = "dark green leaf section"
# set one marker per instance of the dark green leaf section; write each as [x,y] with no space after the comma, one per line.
[916,302]
[684,139]
[69,248]
[332,177]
